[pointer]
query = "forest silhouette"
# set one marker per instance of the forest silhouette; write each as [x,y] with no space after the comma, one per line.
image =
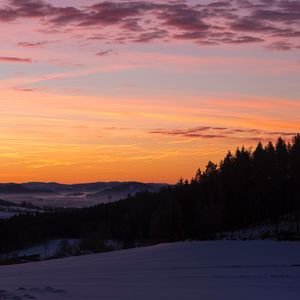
[247,187]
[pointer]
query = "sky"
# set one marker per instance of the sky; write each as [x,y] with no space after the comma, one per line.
[149,91]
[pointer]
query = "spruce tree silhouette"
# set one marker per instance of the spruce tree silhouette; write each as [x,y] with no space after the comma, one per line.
[246,188]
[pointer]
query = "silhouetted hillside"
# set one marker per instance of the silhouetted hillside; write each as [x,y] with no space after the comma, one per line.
[13,188]
[125,188]
[52,194]
[246,187]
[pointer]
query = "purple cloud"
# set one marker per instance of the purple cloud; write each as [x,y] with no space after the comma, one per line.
[197,132]
[207,132]
[104,52]
[281,45]
[32,44]
[145,37]
[218,22]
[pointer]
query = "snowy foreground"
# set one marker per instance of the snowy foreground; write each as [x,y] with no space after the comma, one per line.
[185,271]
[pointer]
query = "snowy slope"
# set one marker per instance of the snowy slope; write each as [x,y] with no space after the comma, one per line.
[186,271]
[46,249]
[7,215]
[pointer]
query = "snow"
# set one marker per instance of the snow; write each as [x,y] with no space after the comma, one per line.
[7,212]
[267,230]
[50,248]
[46,249]
[208,270]
[7,215]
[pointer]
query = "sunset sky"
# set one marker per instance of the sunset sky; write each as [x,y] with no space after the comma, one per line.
[142,90]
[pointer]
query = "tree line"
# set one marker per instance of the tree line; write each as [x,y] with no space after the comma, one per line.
[244,188]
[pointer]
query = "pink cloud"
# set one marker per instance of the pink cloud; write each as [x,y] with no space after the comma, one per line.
[214,23]
[32,44]
[104,52]
[207,132]
[15,59]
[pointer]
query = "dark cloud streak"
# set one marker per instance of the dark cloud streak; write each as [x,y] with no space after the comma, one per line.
[32,44]
[207,132]
[10,59]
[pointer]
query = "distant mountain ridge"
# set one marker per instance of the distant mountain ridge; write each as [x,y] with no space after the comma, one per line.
[16,188]
[92,187]
[69,195]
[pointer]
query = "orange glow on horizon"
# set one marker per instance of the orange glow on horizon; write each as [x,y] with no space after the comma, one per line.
[149,95]
[75,139]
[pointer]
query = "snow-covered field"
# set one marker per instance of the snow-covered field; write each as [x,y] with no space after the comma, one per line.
[14,211]
[50,248]
[187,270]
[44,250]
[7,215]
